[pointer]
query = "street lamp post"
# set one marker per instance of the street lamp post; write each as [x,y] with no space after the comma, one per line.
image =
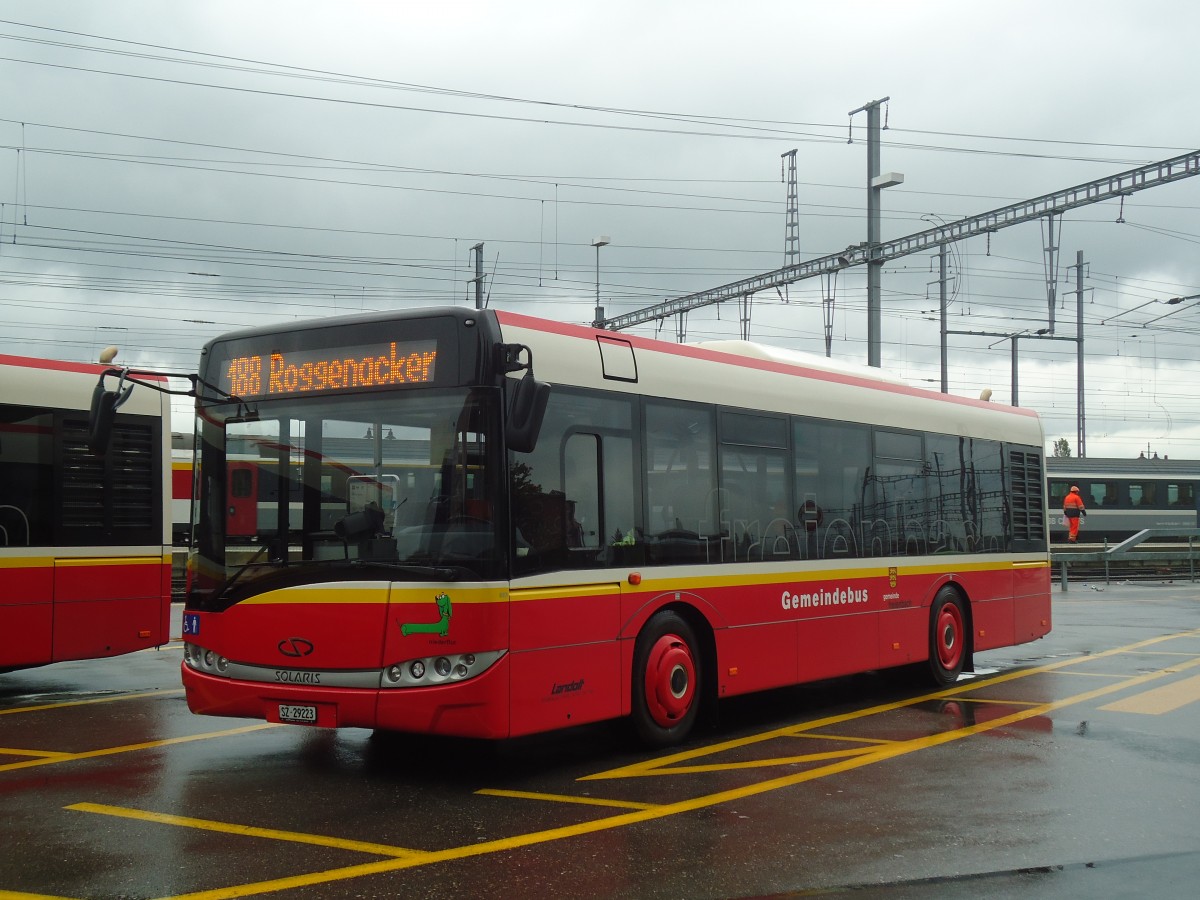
[599,242]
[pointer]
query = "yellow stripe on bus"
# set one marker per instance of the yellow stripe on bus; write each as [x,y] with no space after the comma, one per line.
[565,591]
[72,562]
[802,576]
[37,562]
[375,593]
[381,592]
[25,562]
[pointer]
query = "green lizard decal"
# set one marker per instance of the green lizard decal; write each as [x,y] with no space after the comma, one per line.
[440,627]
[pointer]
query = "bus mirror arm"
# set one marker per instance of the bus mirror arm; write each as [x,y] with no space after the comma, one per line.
[105,403]
[510,358]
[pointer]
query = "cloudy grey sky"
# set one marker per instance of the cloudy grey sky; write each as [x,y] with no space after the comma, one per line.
[170,171]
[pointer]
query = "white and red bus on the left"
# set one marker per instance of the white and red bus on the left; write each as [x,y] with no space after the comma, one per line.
[85,555]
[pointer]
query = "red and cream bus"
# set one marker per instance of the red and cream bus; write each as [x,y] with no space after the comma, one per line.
[643,528]
[85,556]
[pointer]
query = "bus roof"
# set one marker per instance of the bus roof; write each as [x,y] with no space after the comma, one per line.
[755,376]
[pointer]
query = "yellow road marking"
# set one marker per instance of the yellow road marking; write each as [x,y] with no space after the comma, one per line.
[18,895]
[49,754]
[564,798]
[130,748]
[841,737]
[984,701]
[880,754]
[67,703]
[247,830]
[765,763]
[868,757]
[1160,700]
[1091,674]
[653,766]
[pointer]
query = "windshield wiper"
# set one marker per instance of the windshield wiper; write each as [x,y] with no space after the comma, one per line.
[442,573]
[251,562]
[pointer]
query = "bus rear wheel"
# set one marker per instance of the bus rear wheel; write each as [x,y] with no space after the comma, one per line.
[666,680]
[947,637]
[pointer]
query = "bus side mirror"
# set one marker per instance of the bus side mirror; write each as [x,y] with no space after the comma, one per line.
[526,409]
[103,412]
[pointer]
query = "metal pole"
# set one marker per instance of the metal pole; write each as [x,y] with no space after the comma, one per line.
[1052,265]
[599,308]
[599,242]
[942,294]
[1081,437]
[1014,370]
[874,263]
[478,251]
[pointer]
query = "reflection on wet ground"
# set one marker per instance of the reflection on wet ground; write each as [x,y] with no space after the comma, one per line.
[1073,767]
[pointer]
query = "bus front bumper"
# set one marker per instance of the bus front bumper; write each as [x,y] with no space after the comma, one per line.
[477,708]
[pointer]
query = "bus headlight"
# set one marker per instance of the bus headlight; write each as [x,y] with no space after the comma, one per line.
[201,660]
[438,670]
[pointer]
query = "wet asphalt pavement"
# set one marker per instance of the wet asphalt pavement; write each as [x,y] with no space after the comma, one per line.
[1069,767]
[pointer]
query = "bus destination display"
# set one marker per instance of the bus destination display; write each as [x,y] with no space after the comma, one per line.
[330,369]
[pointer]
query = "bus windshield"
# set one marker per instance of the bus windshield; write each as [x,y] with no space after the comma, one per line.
[396,487]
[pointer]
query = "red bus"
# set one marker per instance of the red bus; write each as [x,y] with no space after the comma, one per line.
[85,556]
[458,546]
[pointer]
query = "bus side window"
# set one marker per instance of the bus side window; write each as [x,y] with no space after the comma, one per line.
[573,495]
[681,482]
[581,479]
[26,477]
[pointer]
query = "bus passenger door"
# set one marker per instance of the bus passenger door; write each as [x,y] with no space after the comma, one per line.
[574,517]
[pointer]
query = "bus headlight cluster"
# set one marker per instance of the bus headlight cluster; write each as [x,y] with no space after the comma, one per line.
[204,660]
[432,670]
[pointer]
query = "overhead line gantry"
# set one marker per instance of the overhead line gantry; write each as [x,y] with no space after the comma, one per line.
[1056,203]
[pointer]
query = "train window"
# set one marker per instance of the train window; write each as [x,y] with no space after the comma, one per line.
[241,482]
[1181,494]
[1102,493]
[1058,490]
[1143,493]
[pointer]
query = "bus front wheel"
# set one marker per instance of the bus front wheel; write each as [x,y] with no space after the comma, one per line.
[666,680]
[947,637]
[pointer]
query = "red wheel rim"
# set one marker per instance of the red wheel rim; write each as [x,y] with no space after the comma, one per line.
[949,636]
[670,680]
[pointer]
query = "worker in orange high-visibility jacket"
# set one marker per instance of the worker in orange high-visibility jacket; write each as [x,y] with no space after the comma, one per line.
[1073,511]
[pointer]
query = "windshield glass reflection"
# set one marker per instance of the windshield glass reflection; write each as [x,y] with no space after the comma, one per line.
[404,486]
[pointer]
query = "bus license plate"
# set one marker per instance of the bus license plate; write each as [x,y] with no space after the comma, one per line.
[306,715]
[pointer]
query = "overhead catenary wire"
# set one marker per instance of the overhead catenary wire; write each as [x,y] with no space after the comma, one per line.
[290,257]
